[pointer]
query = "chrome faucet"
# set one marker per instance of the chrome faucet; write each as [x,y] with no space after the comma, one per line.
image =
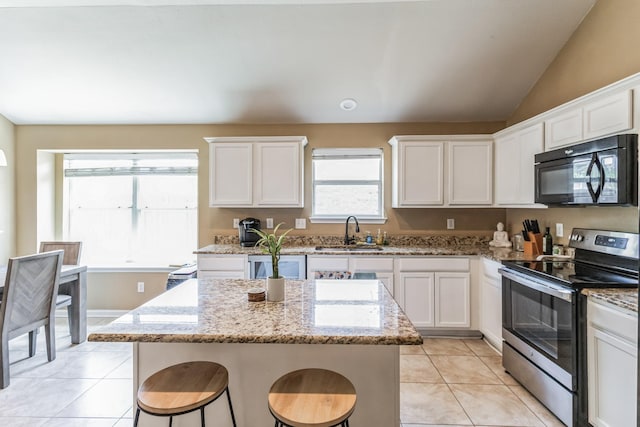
[349,240]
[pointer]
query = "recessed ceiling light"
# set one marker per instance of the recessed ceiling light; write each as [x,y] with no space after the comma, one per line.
[348,104]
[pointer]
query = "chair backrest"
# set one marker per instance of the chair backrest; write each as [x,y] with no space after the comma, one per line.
[333,275]
[30,290]
[71,250]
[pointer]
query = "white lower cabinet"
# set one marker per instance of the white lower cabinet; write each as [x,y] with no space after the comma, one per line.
[434,292]
[612,360]
[491,302]
[213,266]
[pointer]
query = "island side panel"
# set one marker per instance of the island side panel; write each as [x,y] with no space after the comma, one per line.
[374,370]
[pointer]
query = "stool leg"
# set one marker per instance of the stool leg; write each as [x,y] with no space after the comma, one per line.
[233,418]
[135,422]
[170,421]
[202,416]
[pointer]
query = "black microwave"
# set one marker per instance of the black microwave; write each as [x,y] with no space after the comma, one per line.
[600,172]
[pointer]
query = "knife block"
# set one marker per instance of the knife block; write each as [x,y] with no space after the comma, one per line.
[534,246]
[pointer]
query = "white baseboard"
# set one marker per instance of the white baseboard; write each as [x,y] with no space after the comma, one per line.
[95,313]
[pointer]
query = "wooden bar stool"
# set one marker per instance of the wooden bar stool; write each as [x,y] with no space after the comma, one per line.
[183,388]
[312,398]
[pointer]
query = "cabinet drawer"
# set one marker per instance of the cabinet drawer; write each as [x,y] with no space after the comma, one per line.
[615,322]
[433,264]
[371,264]
[330,263]
[220,262]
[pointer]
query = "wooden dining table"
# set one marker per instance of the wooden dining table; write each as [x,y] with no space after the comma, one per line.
[73,282]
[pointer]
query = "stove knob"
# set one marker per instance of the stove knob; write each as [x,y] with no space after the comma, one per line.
[580,237]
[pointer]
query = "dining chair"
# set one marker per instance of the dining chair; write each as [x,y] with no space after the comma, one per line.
[28,302]
[72,252]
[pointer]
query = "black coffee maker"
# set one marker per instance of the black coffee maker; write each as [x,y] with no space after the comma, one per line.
[248,237]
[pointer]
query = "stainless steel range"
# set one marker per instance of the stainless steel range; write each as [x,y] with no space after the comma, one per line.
[544,316]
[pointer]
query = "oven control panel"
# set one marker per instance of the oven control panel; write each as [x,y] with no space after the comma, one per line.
[610,242]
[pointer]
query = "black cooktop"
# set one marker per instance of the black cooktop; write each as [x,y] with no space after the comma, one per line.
[575,274]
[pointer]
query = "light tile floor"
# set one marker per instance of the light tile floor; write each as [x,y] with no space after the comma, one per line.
[444,382]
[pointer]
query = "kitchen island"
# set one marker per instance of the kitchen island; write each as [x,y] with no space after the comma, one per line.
[353,327]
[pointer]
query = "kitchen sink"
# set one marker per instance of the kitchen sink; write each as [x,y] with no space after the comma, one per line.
[348,248]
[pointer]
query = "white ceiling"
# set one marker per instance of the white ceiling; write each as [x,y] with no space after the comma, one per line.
[280,61]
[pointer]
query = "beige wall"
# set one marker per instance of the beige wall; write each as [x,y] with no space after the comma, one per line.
[604,49]
[7,192]
[214,221]
[118,290]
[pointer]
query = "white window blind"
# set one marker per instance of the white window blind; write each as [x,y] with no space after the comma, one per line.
[347,181]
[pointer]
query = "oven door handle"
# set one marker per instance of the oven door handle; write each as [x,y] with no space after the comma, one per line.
[546,288]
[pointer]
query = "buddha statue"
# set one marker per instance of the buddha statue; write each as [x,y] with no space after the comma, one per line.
[500,238]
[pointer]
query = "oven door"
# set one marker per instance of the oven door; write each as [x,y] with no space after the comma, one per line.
[539,320]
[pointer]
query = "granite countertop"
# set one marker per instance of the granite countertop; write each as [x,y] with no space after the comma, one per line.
[444,249]
[624,298]
[314,312]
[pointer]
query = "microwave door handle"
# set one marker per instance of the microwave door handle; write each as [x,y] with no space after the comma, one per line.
[595,195]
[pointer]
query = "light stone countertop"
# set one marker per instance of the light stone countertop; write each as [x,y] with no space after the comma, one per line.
[624,298]
[314,312]
[495,254]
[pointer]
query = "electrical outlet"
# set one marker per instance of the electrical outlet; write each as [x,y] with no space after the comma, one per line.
[269,222]
[236,222]
[301,223]
[559,229]
[140,287]
[451,224]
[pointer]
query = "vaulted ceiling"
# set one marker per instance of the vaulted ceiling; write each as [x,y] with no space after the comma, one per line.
[282,61]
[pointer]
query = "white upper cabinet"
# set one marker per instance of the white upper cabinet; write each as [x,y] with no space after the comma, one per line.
[608,115]
[514,168]
[436,171]
[602,113]
[563,129]
[470,172]
[256,171]
[418,173]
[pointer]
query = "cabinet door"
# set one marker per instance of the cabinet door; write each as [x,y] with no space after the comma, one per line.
[530,142]
[419,174]
[563,129]
[452,300]
[507,169]
[414,294]
[470,172]
[612,366]
[386,277]
[230,174]
[278,174]
[608,116]
[491,303]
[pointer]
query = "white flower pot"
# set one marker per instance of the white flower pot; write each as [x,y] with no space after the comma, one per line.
[275,289]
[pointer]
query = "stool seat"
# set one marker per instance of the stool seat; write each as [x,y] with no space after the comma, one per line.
[182,388]
[312,398]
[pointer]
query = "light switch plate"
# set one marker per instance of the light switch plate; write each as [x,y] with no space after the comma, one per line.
[269,222]
[451,224]
[559,229]
[236,222]
[301,223]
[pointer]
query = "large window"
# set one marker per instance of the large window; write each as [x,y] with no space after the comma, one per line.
[132,208]
[347,182]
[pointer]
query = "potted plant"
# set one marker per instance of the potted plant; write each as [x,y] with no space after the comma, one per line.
[271,243]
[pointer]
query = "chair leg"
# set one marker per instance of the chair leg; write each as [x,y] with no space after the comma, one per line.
[233,417]
[4,363]
[50,335]
[70,318]
[33,338]
[135,421]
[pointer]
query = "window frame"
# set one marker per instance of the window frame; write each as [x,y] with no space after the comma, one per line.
[134,172]
[337,153]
